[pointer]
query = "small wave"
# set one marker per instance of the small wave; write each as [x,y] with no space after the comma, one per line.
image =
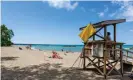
[127,48]
[33,48]
[69,46]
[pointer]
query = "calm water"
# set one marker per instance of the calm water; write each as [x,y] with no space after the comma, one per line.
[73,48]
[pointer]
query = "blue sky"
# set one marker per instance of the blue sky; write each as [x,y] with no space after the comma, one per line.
[54,22]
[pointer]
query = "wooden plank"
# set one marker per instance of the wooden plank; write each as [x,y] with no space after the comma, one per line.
[132,61]
[121,60]
[93,37]
[105,52]
[84,63]
[127,62]
[106,23]
[108,63]
[127,55]
[102,42]
[105,32]
[128,51]
[100,36]
[90,63]
[95,66]
[98,62]
[96,32]
[113,66]
[114,32]
[110,22]
[114,40]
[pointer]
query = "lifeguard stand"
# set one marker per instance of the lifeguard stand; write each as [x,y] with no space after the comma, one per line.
[97,52]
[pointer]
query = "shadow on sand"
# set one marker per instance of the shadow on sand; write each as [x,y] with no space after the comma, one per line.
[49,72]
[128,67]
[8,58]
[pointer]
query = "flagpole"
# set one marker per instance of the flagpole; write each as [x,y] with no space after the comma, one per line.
[84,63]
[85,35]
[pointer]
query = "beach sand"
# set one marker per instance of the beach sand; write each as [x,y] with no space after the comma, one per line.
[36,65]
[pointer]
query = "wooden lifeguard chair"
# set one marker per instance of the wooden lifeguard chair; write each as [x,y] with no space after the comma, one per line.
[97,52]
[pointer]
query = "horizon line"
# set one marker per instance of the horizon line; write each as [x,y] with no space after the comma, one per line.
[56,44]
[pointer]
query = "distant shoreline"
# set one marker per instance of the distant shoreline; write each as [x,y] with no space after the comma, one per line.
[61,47]
[60,44]
[33,48]
[50,44]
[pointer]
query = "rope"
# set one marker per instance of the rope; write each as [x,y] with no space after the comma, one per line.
[75,61]
[79,62]
[100,34]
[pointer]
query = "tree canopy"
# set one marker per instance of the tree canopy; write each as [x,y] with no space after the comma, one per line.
[6,35]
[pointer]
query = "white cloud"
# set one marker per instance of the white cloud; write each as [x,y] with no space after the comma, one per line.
[101,14]
[112,14]
[125,10]
[92,10]
[106,8]
[131,30]
[83,9]
[62,4]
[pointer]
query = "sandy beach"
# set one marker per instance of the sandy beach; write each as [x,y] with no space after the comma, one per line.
[67,40]
[36,65]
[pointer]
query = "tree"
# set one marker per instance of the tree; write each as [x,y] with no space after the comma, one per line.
[6,35]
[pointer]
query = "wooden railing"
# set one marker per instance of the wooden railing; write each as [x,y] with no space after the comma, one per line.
[128,56]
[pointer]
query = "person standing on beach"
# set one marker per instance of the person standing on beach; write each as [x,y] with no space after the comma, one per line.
[62,50]
[30,46]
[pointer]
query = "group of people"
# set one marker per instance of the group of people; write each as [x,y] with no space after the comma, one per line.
[28,47]
[54,54]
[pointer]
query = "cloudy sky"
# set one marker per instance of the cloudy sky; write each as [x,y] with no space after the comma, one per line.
[58,22]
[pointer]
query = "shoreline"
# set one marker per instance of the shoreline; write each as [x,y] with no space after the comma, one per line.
[33,48]
[63,46]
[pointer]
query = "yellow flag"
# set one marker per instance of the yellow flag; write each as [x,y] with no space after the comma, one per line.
[87,32]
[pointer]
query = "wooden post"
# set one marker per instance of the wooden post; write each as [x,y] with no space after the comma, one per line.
[84,62]
[104,68]
[105,32]
[104,52]
[114,40]
[94,37]
[121,60]
[115,32]
[99,62]
[127,56]
[132,59]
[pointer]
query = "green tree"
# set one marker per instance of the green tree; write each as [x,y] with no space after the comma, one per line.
[6,35]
